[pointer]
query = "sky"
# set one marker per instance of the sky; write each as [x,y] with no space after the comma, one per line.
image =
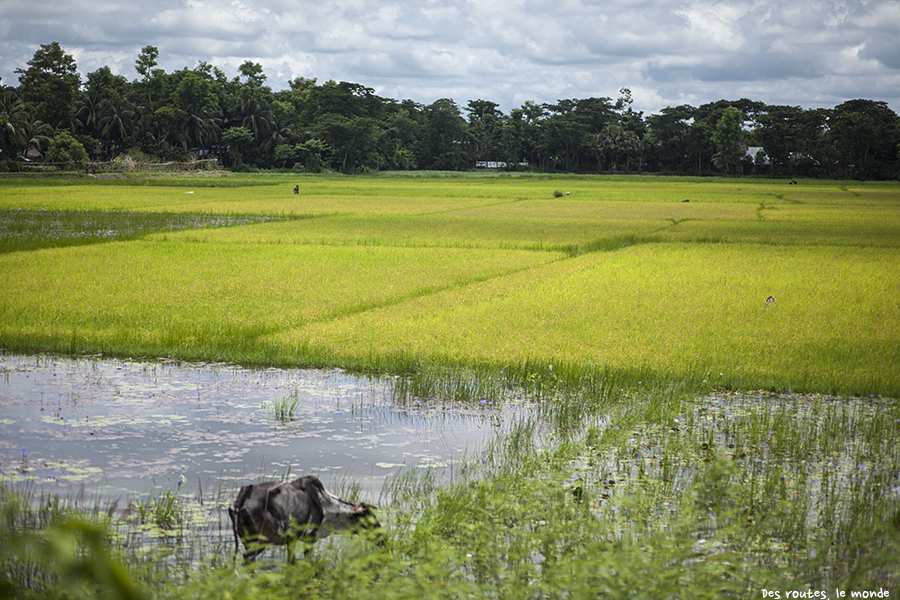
[807,53]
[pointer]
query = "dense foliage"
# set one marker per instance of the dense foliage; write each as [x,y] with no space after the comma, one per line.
[346,127]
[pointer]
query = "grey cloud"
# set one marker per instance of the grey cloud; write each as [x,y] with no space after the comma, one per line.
[668,51]
[884,49]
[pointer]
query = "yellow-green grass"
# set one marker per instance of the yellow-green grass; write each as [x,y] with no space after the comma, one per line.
[536,224]
[425,232]
[320,196]
[676,309]
[484,271]
[186,299]
[825,225]
[405,195]
[841,192]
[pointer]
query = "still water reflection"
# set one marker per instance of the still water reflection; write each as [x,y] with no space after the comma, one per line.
[132,426]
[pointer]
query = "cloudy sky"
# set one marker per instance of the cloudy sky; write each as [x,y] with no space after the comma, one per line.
[809,53]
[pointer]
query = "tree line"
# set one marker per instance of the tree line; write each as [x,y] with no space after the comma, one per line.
[346,127]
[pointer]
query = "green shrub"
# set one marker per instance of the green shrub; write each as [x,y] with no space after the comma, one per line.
[67,152]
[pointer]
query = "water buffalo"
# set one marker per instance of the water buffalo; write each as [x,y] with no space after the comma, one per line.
[281,513]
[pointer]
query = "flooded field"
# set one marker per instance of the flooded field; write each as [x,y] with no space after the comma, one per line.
[115,426]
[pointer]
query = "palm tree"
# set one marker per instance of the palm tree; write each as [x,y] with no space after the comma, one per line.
[15,125]
[200,129]
[41,135]
[277,134]
[257,117]
[631,145]
[611,139]
[88,112]
[117,122]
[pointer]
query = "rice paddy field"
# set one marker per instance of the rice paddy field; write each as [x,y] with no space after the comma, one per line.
[717,363]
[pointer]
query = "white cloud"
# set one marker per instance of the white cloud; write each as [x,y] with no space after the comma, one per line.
[669,52]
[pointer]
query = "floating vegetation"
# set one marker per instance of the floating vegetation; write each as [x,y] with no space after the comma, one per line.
[134,426]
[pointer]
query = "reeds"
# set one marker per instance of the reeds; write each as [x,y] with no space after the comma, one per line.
[283,408]
[717,494]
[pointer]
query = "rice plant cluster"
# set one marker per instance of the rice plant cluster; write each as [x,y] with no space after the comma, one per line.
[715,364]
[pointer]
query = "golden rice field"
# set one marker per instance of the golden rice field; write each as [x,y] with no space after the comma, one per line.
[664,275]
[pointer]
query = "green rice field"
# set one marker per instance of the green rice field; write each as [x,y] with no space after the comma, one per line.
[384,273]
[695,440]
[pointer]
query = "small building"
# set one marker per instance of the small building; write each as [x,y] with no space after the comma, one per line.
[33,153]
[497,164]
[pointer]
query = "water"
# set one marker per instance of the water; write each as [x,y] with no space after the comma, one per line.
[129,426]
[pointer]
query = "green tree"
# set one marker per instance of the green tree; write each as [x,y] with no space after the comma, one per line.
[40,135]
[314,155]
[194,97]
[345,99]
[67,152]
[444,137]
[609,144]
[153,81]
[511,146]
[563,136]
[779,133]
[253,72]
[194,94]
[51,84]
[299,96]
[167,120]
[285,154]
[525,131]
[15,124]
[671,139]
[106,84]
[485,129]
[236,140]
[116,123]
[865,135]
[352,141]
[401,137]
[728,137]
[105,111]
[146,60]
[257,116]
[89,111]
[569,132]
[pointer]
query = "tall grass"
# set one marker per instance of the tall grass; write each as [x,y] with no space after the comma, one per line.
[672,309]
[627,316]
[656,493]
[80,545]
[213,301]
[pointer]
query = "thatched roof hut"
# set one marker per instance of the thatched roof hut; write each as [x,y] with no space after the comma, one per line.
[33,153]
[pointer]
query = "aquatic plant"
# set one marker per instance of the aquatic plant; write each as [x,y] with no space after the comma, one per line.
[283,408]
[163,512]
